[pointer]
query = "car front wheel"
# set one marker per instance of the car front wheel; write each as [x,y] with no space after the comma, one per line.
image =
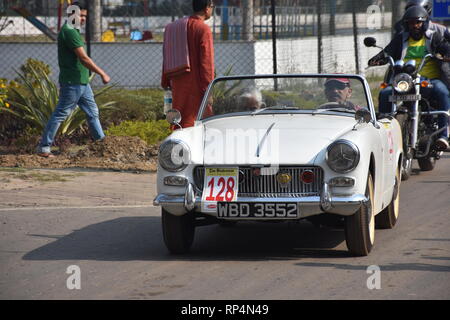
[178,231]
[360,227]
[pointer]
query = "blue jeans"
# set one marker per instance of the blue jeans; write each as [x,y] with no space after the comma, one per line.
[69,97]
[439,91]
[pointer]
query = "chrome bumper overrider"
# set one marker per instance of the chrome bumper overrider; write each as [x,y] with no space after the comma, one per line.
[308,206]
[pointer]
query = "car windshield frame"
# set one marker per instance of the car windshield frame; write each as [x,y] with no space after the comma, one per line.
[360,78]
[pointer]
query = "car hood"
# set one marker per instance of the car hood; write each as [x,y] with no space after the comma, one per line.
[271,139]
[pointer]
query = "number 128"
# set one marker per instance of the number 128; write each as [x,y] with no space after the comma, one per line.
[222,184]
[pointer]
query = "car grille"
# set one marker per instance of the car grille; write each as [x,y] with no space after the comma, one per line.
[267,186]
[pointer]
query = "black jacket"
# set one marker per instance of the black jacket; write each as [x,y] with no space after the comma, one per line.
[435,42]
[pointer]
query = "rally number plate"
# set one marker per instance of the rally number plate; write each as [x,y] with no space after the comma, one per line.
[244,210]
[220,184]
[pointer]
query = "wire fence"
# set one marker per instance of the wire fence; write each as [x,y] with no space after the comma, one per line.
[250,36]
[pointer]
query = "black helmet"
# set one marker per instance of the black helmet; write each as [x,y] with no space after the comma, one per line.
[426,4]
[416,13]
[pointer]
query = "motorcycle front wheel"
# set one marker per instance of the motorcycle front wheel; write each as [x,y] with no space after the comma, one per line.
[426,163]
[406,169]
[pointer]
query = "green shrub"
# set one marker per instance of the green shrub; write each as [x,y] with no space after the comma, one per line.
[28,70]
[135,105]
[10,126]
[151,132]
[36,99]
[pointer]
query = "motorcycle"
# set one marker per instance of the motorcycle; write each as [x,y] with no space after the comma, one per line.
[417,116]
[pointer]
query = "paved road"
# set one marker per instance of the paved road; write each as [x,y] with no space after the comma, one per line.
[121,255]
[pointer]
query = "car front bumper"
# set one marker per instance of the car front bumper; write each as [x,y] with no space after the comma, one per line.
[327,202]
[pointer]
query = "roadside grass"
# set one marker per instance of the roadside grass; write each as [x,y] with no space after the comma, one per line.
[374,83]
[7,174]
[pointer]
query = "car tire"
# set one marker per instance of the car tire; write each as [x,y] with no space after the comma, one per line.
[178,231]
[387,218]
[360,227]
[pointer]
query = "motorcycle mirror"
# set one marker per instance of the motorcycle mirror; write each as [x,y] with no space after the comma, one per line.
[370,42]
[363,115]
[173,116]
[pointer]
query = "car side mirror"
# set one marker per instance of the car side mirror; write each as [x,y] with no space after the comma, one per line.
[173,116]
[363,115]
[370,42]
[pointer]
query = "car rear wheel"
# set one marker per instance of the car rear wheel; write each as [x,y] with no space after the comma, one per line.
[387,218]
[178,231]
[360,227]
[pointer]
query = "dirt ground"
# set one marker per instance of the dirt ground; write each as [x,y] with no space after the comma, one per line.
[112,153]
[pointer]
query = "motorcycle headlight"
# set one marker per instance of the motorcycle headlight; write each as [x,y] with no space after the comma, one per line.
[174,155]
[342,156]
[402,83]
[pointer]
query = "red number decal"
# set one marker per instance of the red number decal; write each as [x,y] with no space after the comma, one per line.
[211,185]
[230,189]
[221,182]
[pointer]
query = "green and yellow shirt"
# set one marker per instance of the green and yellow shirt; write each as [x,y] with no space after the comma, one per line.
[417,49]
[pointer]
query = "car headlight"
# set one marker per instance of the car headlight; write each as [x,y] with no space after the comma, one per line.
[342,156]
[402,83]
[174,155]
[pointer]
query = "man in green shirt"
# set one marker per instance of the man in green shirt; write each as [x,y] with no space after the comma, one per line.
[74,65]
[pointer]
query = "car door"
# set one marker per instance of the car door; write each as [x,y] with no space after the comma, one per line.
[385,134]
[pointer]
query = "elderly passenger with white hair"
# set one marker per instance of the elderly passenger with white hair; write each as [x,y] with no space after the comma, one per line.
[250,100]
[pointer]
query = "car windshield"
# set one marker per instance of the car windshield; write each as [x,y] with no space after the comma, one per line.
[332,94]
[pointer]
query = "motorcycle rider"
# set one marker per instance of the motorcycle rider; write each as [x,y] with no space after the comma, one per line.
[414,43]
[427,5]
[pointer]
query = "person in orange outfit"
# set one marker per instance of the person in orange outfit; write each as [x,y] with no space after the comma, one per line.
[190,81]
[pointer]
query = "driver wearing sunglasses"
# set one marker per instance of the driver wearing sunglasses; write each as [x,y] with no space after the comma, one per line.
[339,90]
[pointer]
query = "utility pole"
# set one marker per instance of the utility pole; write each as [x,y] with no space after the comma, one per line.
[96,19]
[397,13]
[332,4]
[247,20]
[274,40]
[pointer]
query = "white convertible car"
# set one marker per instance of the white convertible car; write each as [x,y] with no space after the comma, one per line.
[281,148]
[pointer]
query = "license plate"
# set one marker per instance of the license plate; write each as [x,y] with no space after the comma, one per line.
[220,184]
[244,210]
[406,97]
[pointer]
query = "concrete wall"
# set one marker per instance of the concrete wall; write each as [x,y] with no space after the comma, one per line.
[129,64]
[139,64]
